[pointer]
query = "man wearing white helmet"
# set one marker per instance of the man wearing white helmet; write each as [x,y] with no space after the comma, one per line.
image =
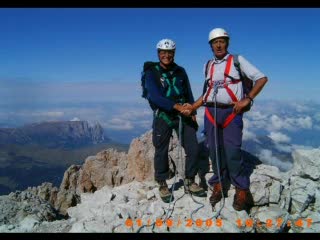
[225,101]
[168,99]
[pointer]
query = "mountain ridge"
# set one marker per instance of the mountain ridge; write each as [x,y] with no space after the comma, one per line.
[41,152]
[55,134]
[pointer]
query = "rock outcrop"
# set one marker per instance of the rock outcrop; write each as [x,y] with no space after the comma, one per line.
[113,168]
[23,210]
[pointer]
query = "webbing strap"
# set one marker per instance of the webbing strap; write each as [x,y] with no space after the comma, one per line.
[165,117]
[210,84]
[171,85]
[226,73]
[213,121]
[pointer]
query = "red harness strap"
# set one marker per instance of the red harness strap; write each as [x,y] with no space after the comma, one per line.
[229,91]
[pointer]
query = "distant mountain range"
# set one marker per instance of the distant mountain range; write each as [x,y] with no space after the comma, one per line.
[39,152]
[54,134]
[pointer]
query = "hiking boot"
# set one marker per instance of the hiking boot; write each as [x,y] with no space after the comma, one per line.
[164,191]
[203,183]
[216,194]
[191,187]
[242,200]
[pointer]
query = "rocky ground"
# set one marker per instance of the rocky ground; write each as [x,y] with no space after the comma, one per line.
[114,192]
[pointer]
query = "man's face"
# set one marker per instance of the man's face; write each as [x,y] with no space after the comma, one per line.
[219,47]
[166,57]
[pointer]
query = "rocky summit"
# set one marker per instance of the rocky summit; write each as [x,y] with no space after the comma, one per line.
[115,192]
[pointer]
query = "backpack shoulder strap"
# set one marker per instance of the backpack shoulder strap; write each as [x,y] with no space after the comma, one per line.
[153,66]
[147,65]
[236,63]
[206,70]
[247,83]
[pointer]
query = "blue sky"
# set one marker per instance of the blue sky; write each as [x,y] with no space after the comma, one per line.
[110,44]
[57,63]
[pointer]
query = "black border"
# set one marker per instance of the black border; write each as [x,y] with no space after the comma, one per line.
[160,236]
[160,3]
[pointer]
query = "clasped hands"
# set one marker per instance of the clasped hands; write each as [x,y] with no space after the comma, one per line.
[186,109]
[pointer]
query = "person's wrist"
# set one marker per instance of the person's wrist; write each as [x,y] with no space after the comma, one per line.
[195,107]
[250,99]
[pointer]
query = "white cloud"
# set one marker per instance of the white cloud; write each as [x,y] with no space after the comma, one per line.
[267,158]
[24,113]
[317,117]
[133,114]
[145,124]
[259,123]
[305,122]
[257,115]
[276,123]
[291,124]
[279,137]
[246,123]
[94,102]
[303,147]
[45,113]
[266,155]
[200,118]
[118,124]
[301,107]
[75,119]
[284,148]
[247,135]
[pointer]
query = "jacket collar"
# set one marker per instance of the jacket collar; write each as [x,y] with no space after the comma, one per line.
[172,68]
[215,60]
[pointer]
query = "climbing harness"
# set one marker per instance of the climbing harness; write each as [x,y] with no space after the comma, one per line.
[214,85]
[160,114]
[171,85]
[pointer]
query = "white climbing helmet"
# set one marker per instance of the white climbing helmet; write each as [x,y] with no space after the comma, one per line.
[217,32]
[166,44]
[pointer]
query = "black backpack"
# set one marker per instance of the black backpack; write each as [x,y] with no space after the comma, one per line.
[146,66]
[247,83]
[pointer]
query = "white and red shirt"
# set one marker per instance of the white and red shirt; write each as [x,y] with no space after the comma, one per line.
[216,72]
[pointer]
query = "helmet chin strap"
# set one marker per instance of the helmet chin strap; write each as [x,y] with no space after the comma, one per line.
[166,66]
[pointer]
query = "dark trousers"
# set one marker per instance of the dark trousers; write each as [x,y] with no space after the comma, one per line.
[231,163]
[161,138]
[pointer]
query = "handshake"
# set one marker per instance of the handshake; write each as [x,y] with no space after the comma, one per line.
[186,109]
